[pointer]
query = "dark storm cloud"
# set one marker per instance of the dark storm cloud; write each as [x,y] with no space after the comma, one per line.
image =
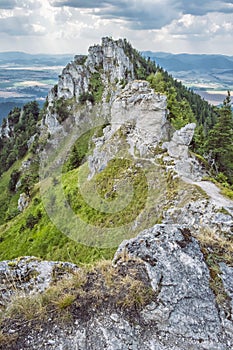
[148,14]
[200,7]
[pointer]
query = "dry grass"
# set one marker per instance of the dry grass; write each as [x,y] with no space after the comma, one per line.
[27,307]
[219,244]
[216,247]
[125,287]
[135,293]
[6,339]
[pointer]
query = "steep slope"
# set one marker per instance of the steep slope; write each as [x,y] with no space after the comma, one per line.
[113,172]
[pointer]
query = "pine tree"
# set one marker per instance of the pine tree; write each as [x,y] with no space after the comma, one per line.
[220,142]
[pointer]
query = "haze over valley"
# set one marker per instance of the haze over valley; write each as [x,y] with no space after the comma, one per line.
[208,75]
[25,77]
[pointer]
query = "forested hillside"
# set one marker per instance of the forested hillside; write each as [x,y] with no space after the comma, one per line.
[214,132]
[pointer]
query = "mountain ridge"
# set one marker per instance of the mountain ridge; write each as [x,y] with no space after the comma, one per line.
[195,61]
[105,166]
[18,94]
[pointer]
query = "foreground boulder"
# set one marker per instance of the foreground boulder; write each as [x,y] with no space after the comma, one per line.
[180,311]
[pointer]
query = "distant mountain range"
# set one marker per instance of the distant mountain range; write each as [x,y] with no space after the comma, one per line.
[208,75]
[187,62]
[25,59]
[169,61]
[25,77]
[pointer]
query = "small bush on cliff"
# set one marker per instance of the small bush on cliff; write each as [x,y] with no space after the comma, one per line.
[86,96]
[96,86]
[63,108]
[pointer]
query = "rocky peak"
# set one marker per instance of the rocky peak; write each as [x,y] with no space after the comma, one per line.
[112,57]
[109,59]
[92,79]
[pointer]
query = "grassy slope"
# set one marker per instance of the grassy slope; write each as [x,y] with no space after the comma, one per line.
[32,233]
[8,201]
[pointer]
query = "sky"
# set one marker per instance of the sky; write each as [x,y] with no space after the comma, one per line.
[71,26]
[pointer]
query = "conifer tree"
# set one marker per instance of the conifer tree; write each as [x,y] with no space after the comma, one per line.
[220,142]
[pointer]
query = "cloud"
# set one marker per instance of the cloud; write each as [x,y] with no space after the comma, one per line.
[22,18]
[7,4]
[19,26]
[143,14]
[200,7]
[74,25]
[87,4]
[202,27]
[147,14]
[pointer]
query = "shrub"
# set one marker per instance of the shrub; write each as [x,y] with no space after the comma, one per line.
[86,96]
[63,108]
[96,86]
[13,180]
[31,221]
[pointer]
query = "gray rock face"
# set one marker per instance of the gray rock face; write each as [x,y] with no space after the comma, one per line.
[185,303]
[140,114]
[227,278]
[178,146]
[109,60]
[73,81]
[23,201]
[5,131]
[198,215]
[140,105]
[183,315]
[110,56]
[29,275]
[178,152]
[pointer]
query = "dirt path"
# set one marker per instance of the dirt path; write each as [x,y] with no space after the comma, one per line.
[214,193]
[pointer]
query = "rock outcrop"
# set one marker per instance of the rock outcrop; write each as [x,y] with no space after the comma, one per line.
[138,113]
[183,257]
[181,139]
[182,314]
[23,201]
[185,306]
[27,275]
[139,105]
[110,57]
[178,151]
[5,130]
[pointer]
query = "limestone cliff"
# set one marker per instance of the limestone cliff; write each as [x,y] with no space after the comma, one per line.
[109,57]
[169,286]
[107,65]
